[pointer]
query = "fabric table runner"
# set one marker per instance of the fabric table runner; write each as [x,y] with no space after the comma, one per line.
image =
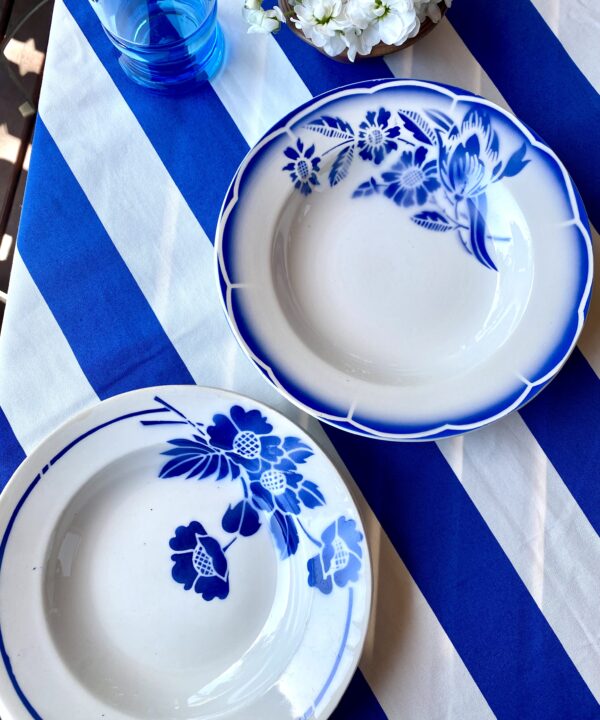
[485,547]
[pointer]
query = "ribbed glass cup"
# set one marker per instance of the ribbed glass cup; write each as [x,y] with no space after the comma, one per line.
[166,45]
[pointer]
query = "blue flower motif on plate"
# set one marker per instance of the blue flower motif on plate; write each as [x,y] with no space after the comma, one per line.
[376,136]
[245,437]
[469,156]
[411,180]
[445,167]
[282,488]
[303,167]
[240,445]
[276,488]
[199,562]
[340,558]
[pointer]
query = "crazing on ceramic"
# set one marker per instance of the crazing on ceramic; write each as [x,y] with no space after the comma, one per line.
[441,167]
[423,265]
[240,446]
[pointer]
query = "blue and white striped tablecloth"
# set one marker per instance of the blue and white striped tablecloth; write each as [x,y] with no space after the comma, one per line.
[486,547]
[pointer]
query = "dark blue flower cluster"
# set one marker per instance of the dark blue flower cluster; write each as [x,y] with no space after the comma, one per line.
[445,167]
[239,445]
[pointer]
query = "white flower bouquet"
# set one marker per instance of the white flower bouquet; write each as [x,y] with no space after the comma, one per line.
[347,28]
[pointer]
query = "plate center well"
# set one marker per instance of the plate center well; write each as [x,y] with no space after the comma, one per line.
[136,638]
[385,300]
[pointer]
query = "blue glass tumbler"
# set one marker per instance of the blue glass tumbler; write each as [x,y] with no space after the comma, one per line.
[166,45]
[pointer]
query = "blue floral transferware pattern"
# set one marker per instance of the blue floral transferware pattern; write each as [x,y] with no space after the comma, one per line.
[441,168]
[340,558]
[303,167]
[241,446]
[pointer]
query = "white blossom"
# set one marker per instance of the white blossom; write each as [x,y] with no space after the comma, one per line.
[430,9]
[352,25]
[360,13]
[323,22]
[262,21]
[397,21]
[360,42]
[374,21]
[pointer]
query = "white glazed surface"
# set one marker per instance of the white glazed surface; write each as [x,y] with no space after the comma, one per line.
[95,626]
[368,320]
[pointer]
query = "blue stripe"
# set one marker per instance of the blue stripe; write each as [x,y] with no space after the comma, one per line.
[542,84]
[358,702]
[11,452]
[506,643]
[201,159]
[561,419]
[118,342]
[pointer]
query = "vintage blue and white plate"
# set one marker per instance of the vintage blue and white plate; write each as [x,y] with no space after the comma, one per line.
[404,260]
[179,552]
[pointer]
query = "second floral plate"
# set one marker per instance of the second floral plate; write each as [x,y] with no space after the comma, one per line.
[404,260]
[179,552]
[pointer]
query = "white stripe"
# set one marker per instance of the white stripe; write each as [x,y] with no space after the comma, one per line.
[257,84]
[83,117]
[409,661]
[42,383]
[542,530]
[576,23]
[443,57]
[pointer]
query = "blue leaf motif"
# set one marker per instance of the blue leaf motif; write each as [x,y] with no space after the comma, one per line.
[341,166]
[300,456]
[432,220]
[196,458]
[440,119]
[417,126]
[477,233]
[241,519]
[367,188]
[332,127]
[310,494]
[293,443]
[296,450]
[515,163]
[285,533]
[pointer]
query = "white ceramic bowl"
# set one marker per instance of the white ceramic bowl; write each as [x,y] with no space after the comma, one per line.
[179,552]
[404,260]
